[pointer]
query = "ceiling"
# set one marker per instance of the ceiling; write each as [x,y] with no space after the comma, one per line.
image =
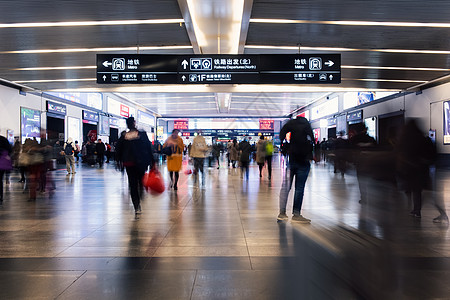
[385,45]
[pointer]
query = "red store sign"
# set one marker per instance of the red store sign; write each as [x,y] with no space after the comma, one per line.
[181,124]
[266,125]
[124,111]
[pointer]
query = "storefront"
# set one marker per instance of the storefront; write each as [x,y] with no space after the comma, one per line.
[113,130]
[90,125]
[56,114]
[354,121]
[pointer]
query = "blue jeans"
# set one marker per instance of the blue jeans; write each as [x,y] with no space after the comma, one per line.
[301,172]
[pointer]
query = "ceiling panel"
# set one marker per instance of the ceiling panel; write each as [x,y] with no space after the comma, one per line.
[371,65]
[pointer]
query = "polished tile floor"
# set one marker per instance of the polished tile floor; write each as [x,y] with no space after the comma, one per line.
[82,241]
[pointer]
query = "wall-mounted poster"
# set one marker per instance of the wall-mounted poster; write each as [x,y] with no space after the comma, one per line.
[73,128]
[447,122]
[30,124]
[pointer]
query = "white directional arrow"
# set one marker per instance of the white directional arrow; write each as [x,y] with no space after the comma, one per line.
[183,77]
[329,63]
[184,64]
[106,63]
[331,77]
[104,77]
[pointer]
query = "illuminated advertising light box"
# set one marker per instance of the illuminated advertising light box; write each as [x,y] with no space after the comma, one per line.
[30,124]
[266,125]
[365,97]
[316,132]
[447,122]
[181,124]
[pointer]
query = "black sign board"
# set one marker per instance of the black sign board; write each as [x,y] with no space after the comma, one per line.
[219,69]
[90,116]
[56,108]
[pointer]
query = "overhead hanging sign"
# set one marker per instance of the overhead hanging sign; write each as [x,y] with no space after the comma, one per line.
[219,69]
[181,124]
[266,124]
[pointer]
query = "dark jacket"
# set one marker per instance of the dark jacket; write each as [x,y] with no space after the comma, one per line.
[135,149]
[245,149]
[5,145]
[100,148]
[302,139]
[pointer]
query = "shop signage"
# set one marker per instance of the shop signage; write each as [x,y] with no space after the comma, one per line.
[90,116]
[119,109]
[331,122]
[355,116]
[124,110]
[219,69]
[94,100]
[181,124]
[56,108]
[114,122]
[266,125]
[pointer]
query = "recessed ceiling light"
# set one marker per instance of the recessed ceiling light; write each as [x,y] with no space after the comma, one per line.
[352,23]
[55,80]
[331,49]
[90,23]
[141,48]
[396,68]
[384,80]
[54,68]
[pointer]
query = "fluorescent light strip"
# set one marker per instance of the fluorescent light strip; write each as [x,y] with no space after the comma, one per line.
[295,48]
[396,68]
[177,103]
[143,48]
[55,80]
[54,68]
[352,23]
[168,98]
[237,96]
[91,23]
[384,80]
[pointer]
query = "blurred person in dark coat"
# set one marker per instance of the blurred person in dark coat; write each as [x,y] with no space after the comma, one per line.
[300,154]
[100,149]
[5,161]
[362,145]
[415,154]
[134,151]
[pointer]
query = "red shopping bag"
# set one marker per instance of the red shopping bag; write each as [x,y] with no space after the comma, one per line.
[153,181]
[188,171]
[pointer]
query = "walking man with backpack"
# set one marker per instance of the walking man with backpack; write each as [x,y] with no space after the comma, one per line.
[300,154]
[68,153]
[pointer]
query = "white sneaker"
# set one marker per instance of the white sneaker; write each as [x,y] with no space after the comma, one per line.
[300,219]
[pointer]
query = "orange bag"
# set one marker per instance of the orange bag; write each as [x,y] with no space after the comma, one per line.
[153,181]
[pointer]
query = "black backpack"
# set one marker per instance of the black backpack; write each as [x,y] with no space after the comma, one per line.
[68,150]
